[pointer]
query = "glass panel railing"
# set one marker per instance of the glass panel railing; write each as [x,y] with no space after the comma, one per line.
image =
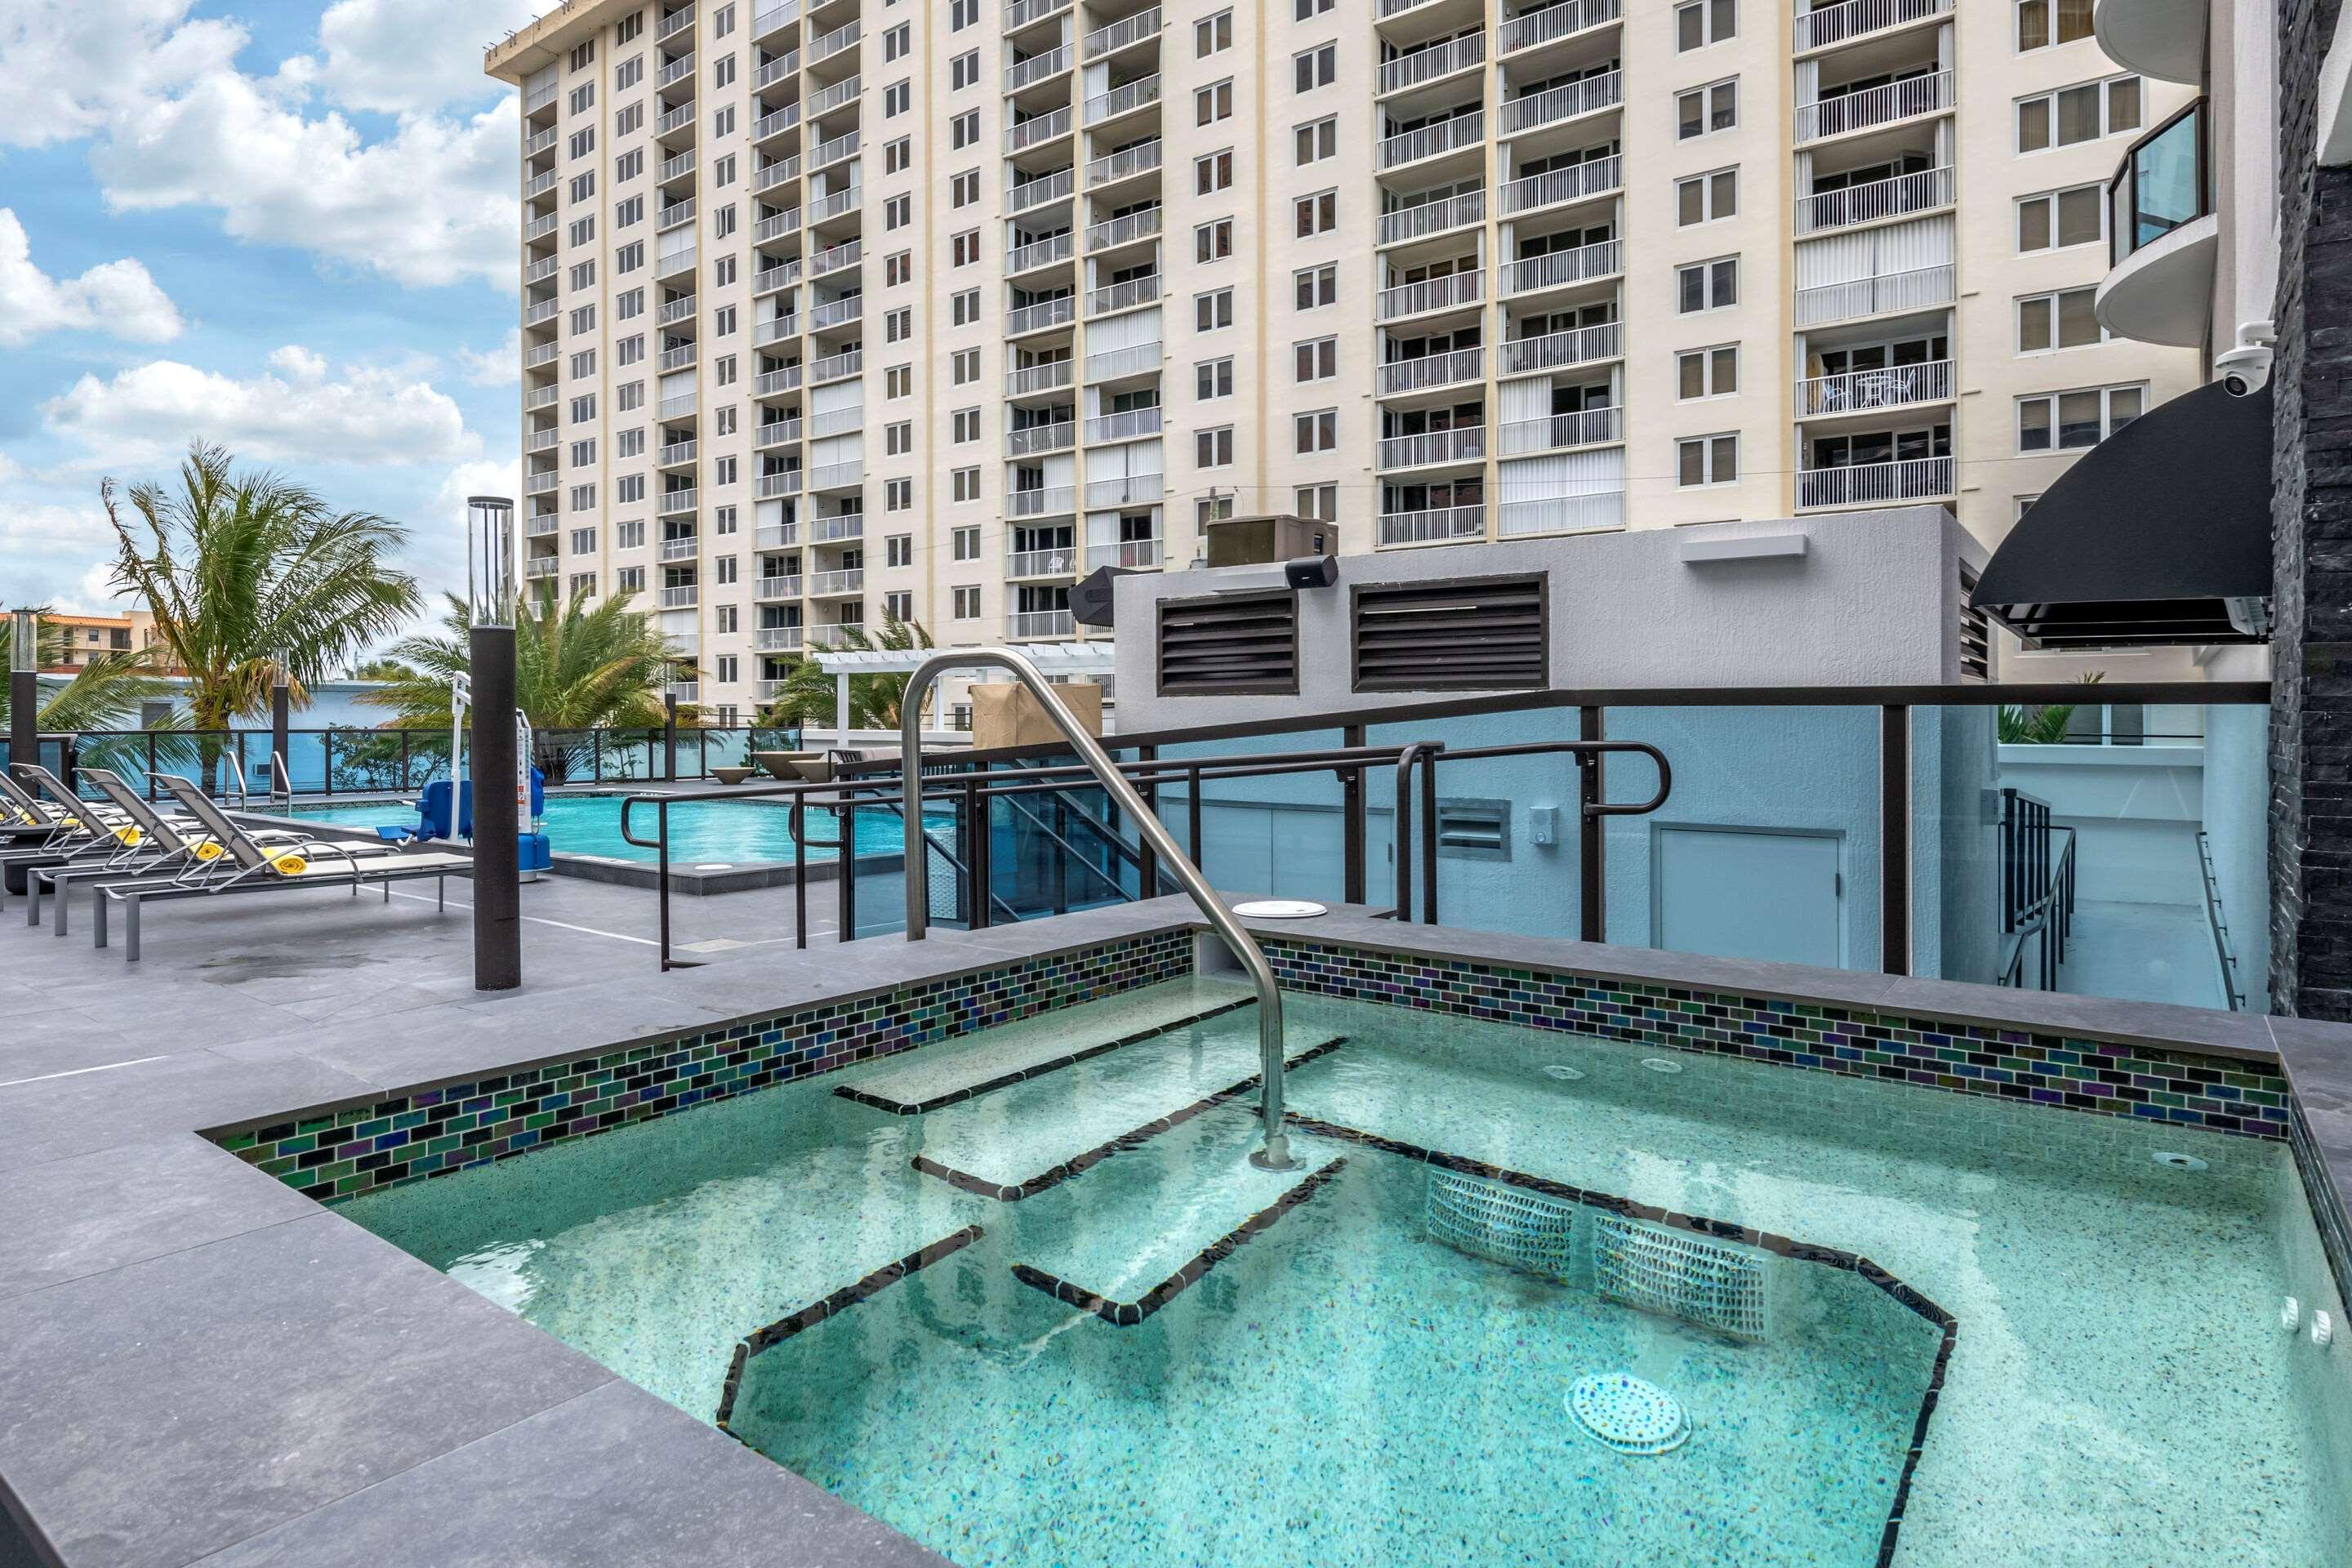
[2162,184]
[1280,835]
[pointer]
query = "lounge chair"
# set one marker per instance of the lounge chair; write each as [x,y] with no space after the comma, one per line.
[258,867]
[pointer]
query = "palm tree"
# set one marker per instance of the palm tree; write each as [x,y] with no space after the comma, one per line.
[809,694]
[2042,726]
[577,669]
[250,576]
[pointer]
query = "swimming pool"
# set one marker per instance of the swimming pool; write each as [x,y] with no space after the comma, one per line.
[732,831]
[927,1312]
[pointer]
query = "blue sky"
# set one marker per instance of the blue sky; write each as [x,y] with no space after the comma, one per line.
[285,228]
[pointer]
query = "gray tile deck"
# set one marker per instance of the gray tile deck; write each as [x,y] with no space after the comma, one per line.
[197,1363]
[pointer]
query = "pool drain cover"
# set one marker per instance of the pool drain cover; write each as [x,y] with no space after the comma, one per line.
[1622,1412]
[1561,1070]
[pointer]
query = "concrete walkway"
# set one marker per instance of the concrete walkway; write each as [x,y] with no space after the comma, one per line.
[2142,953]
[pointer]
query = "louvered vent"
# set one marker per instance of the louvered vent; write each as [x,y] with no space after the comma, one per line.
[1211,646]
[1487,635]
[1976,638]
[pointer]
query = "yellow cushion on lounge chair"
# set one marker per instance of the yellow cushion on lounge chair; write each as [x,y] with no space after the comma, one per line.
[289,864]
[73,822]
[208,850]
[128,834]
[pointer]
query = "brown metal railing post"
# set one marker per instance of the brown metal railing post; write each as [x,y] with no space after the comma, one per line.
[977,872]
[800,872]
[1146,865]
[1895,840]
[1352,816]
[1192,822]
[1429,835]
[845,860]
[1591,844]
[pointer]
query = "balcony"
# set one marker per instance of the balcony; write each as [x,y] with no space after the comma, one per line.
[544,310]
[675,310]
[1875,106]
[678,407]
[1036,69]
[775,226]
[837,367]
[1123,34]
[835,204]
[835,584]
[538,185]
[824,48]
[778,536]
[1029,624]
[776,71]
[770,278]
[1030,440]
[682,597]
[838,529]
[676,503]
[775,433]
[1901,196]
[675,168]
[1564,102]
[1126,296]
[678,358]
[1127,490]
[543,441]
[1127,554]
[539,141]
[1117,364]
[1562,432]
[540,398]
[1027,193]
[1529,29]
[776,173]
[678,119]
[1424,218]
[1034,132]
[677,22]
[543,526]
[537,227]
[1020,14]
[1864,391]
[1426,65]
[539,355]
[1827,24]
[1430,371]
[835,635]
[1444,525]
[775,329]
[836,421]
[837,314]
[1889,294]
[768,590]
[1062,562]
[834,476]
[1877,484]
[675,215]
[2162,235]
[1125,163]
[534,102]
[832,95]
[1447,293]
[1127,99]
[1128,424]
[1125,230]
[1558,350]
[1586,512]
[540,484]
[773,16]
[540,567]
[767,486]
[1028,379]
[775,639]
[675,454]
[1431,141]
[775,122]
[1578,182]
[775,383]
[683,549]
[1043,316]
[1039,253]
[825,154]
[1435,448]
[1560,268]
[670,263]
[1053,501]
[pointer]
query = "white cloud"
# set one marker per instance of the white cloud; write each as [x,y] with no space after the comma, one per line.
[500,366]
[75,67]
[406,56]
[60,554]
[115,296]
[438,541]
[300,415]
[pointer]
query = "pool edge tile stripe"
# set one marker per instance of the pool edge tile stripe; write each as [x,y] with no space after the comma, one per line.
[1128,1314]
[1797,1251]
[841,1301]
[1006,1080]
[1078,1164]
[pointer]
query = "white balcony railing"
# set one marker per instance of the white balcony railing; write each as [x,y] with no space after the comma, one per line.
[827,98]
[1124,99]
[1128,554]
[543,441]
[1418,66]
[534,102]
[772,174]
[768,18]
[1124,296]
[1558,268]
[538,185]
[1036,69]
[540,484]
[1860,391]
[826,153]
[676,167]
[1464,444]
[767,486]
[1128,425]
[1560,432]
[838,529]
[544,526]
[775,330]
[1432,370]
[1882,105]
[678,119]
[1127,490]
[681,548]
[1923,189]
[836,421]
[677,22]
[1039,253]
[678,358]
[1431,294]
[674,454]
[1135,359]
[678,407]
[544,310]
[1563,102]
[775,122]
[1432,218]
[1828,24]
[1529,28]
[775,226]
[1058,437]
[1050,502]
[1921,289]
[1556,351]
[1575,183]
[1122,33]
[1040,623]
[775,383]
[1062,562]
[540,566]
[772,588]
[673,215]
[539,141]
[774,640]
[1125,163]
[1026,133]
[835,204]
[674,503]
[1028,379]
[539,354]
[541,397]
[779,536]
[677,69]
[836,476]
[1053,187]
[1021,13]
[775,433]
[1876,484]
[682,596]
[670,263]
[832,584]
[768,280]
[1436,526]
[837,312]
[1429,141]
[539,227]
[1586,512]
[1124,229]
[1037,318]
[672,311]
[832,43]
[782,68]
[834,633]
[838,366]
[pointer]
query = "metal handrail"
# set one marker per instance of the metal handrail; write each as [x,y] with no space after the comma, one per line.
[1274,1154]
[2229,962]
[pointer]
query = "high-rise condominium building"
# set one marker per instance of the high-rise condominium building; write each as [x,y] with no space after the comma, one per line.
[836,310]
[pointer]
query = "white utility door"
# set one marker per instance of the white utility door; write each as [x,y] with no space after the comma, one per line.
[1747,893]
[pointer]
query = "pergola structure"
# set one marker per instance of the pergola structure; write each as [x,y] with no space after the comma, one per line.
[1059,660]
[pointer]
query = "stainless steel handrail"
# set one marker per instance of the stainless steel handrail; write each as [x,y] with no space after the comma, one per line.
[1274,1154]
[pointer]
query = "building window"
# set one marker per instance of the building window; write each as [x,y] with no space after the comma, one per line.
[963,71]
[1318,213]
[963,484]
[1316,432]
[583,542]
[1212,103]
[2063,319]
[1317,140]
[899,495]
[1320,502]
[2069,421]
[967,604]
[2076,114]
[629,580]
[1703,110]
[964,130]
[1702,22]
[1316,360]
[1317,286]
[630,535]
[964,189]
[1213,174]
[899,605]
[1308,10]
[1213,241]
[964,425]
[1318,67]
[1212,379]
[1707,461]
[1213,35]
[1213,310]
[728,666]
[2042,23]
[1703,198]
[1707,372]
[898,550]
[1706,285]
[1213,449]
[724,569]
[963,543]
[2053,220]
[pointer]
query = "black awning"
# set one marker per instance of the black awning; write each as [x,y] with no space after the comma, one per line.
[2162,533]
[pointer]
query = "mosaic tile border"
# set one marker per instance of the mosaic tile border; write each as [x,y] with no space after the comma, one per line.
[2326,1209]
[903,1108]
[964,1181]
[339,1151]
[840,1301]
[1720,1230]
[2142,1082]
[1128,1314]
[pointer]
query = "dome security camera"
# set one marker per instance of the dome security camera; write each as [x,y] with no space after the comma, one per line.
[2243,371]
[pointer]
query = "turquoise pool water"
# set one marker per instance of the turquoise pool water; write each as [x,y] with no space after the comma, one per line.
[732,831]
[1345,1387]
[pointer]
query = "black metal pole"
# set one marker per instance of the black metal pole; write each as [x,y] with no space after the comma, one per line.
[1429,837]
[669,737]
[845,833]
[497,883]
[982,871]
[1895,840]
[281,722]
[799,873]
[1352,821]
[1147,864]
[661,876]
[1592,880]
[23,717]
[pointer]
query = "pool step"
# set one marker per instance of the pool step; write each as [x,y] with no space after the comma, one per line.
[954,1070]
[1125,1242]
[1036,1134]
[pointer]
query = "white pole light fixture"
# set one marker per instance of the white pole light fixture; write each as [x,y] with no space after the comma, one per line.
[489,560]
